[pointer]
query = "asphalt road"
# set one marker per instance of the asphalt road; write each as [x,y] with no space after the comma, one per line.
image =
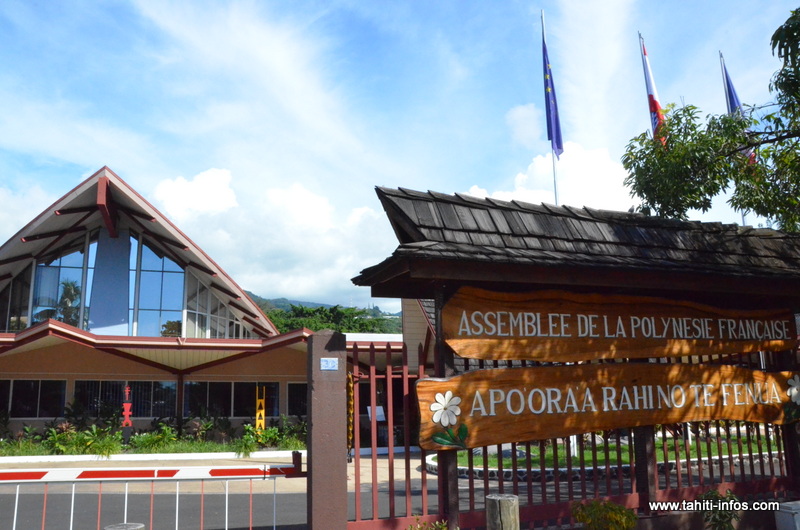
[290,513]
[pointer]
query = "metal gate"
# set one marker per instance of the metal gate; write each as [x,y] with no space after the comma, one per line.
[394,484]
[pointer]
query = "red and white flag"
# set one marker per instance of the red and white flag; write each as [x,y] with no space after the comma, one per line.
[656,113]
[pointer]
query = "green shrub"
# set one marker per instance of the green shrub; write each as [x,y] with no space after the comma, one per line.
[102,442]
[436,525]
[154,441]
[292,444]
[247,443]
[21,447]
[719,519]
[604,515]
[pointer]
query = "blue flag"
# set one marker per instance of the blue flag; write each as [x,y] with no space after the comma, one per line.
[551,105]
[734,105]
[731,97]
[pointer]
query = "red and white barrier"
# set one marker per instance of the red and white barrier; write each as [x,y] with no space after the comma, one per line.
[129,474]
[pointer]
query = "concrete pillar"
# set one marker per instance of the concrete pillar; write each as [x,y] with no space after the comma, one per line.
[327,431]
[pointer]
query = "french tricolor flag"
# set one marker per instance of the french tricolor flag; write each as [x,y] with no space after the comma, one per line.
[656,113]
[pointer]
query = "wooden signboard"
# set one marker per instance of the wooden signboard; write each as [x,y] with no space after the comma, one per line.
[487,407]
[567,327]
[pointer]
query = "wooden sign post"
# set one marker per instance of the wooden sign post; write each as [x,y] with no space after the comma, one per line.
[487,407]
[566,327]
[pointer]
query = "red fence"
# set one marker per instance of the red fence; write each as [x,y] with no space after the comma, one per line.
[392,490]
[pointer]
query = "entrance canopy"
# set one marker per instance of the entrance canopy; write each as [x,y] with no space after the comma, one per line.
[515,245]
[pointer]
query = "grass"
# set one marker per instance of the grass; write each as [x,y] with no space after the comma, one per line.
[185,446]
[696,450]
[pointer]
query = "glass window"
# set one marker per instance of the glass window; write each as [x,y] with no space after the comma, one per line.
[4,299]
[45,299]
[202,298]
[74,259]
[191,292]
[87,393]
[160,296]
[171,323]
[141,398]
[88,298]
[172,292]
[112,393]
[195,396]
[24,398]
[191,325]
[5,394]
[51,398]
[134,253]
[150,290]
[18,305]
[219,399]
[149,324]
[69,296]
[59,292]
[164,398]
[150,260]
[244,399]
[171,266]
[298,395]
[97,397]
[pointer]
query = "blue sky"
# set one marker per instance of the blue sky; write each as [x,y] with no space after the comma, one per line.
[262,128]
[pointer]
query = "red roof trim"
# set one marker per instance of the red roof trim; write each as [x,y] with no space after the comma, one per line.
[279,341]
[140,360]
[65,331]
[105,205]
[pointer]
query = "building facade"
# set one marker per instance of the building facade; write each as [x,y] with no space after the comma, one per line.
[101,292]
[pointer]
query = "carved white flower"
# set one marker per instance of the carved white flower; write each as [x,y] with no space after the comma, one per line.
[794,389]
[446,409]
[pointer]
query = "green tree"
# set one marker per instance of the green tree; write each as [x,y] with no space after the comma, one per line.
[755,155]
[69,303]
[337,318]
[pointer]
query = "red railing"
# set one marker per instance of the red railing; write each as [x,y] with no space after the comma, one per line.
[394,488]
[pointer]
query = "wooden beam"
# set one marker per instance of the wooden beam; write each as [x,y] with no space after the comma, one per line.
[106,206]
[79,209]
[165,240]
[15,259]
[243,309]
[201,268]
[135,213]
[225,291]
[56,233]
[257,327]
[78,223]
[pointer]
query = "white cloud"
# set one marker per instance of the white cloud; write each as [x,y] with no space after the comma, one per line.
[207,193]
[20,206]
[281,241]
[524,122]
[61,130]
[586,177]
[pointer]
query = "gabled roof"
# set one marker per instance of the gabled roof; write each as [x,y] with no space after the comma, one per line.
[458,237]
[169,354]
[105,200]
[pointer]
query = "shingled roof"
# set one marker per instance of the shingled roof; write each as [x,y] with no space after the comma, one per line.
[477,240]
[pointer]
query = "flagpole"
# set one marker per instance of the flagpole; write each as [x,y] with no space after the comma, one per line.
[552,151]
[724,73]
[724,81]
